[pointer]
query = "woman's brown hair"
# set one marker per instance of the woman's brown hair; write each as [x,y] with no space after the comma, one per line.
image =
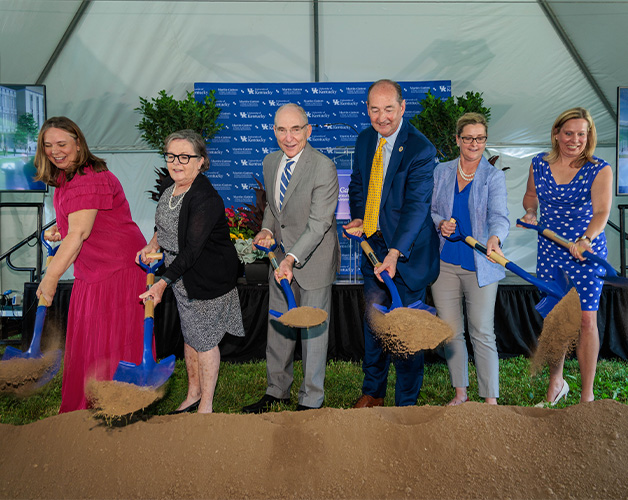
[47,171]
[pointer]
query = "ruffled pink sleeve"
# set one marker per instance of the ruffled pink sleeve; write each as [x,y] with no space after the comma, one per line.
[88,192]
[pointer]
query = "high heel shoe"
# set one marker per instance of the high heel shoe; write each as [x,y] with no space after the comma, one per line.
[564,390]
[562,394]
[187,409]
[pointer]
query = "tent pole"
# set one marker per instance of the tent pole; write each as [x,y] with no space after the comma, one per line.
[571,48]
[64,39]
[316,42]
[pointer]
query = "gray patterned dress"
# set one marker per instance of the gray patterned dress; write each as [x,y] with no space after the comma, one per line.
[203,322]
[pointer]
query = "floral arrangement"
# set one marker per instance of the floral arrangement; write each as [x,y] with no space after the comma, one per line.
[242,234]
[237,219]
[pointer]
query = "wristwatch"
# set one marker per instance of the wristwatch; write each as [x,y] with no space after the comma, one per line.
[584,237]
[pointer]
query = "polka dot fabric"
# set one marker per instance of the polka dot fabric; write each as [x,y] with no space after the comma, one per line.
[567,210]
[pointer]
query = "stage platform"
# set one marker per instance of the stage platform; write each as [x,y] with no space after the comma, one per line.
[517,324]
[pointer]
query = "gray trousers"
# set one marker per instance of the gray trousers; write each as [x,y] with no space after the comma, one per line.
[282,340]
[452,286]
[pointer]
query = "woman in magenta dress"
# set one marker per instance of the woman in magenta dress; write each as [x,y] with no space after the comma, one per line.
[99,237]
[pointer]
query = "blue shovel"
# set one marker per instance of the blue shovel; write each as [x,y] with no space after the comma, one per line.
[148,373]
[292,304]
[610,276]
[551,292]
[388,281]
[34,351]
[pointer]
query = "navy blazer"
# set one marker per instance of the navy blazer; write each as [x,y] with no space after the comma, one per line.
[404,216]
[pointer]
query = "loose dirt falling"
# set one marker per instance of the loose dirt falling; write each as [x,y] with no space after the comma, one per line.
[116,399]
[303,317]
[561,329]
[22,376]
[404,331]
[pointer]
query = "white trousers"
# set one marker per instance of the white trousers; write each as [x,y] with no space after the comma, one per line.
[452,286]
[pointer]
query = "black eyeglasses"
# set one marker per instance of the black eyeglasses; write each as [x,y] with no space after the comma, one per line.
[469,140]
[183,159]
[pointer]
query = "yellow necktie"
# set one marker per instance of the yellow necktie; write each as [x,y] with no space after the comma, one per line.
[371,214]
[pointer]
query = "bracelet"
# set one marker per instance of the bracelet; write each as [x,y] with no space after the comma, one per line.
[530,210]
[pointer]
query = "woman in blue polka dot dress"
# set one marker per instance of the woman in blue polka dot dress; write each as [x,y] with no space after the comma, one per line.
[574,189]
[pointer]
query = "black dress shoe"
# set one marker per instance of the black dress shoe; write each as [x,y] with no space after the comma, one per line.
[263,404]
[301,407]
[187,409]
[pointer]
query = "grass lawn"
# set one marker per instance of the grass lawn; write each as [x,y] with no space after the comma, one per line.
[240,384]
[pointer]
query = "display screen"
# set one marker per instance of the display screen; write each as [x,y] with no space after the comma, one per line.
[622,141]
[22,113]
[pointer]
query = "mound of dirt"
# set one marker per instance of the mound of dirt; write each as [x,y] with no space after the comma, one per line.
[468,451]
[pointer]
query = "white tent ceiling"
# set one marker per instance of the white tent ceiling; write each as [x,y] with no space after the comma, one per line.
[509,50]
[531,60]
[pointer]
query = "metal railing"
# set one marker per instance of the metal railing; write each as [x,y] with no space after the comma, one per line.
[35,272]
[622,237]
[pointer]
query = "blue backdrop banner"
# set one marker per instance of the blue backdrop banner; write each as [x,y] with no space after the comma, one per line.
[336,111]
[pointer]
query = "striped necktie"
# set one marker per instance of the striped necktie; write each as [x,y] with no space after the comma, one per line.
[373,199]
[285,179]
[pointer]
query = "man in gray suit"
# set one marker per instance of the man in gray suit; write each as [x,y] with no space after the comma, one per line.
[301,191]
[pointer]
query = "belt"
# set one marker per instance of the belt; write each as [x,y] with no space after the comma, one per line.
[377,233]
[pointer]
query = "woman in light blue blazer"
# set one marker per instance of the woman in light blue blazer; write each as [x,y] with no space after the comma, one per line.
[473,192]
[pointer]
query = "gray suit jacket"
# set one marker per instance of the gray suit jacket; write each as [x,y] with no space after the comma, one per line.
[306,225]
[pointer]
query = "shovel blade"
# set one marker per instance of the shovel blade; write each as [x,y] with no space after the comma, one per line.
[12,352]
[559,287]
[52,370]
[34,350]
[145,374]
[546,304]
[415,305]
[382,309]
[423,306]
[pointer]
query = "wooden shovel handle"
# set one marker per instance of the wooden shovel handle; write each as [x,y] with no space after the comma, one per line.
[493,255]
[548,233]
[368,250]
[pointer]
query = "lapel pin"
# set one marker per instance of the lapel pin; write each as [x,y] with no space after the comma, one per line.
[400,149]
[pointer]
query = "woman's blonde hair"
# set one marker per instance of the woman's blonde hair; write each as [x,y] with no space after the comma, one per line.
[48,171]
[471,119]
[564,117]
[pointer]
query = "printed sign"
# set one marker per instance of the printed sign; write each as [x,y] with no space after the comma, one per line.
[336,111]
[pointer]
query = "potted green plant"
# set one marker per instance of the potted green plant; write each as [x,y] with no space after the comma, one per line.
[164,114]
[438,120]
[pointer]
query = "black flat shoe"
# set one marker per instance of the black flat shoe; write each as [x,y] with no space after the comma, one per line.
[187,409]
[264,404]
[301,407]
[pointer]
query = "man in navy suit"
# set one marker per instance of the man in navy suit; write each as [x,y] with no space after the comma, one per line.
[405,240]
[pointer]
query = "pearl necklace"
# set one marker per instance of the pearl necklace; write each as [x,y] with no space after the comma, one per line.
[179,200]
[465,177]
